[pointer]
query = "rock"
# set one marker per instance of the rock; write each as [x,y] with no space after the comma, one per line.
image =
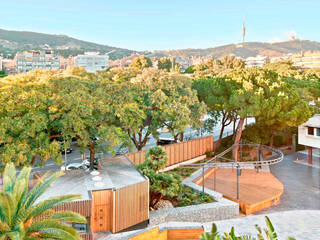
[163,204]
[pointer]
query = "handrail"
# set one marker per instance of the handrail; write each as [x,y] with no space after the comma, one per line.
[240,164]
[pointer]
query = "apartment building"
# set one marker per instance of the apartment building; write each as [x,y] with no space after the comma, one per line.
[306,60]
[66,62]
[9,66]
[257,61]
[92,61]
[309,136]
[30,60]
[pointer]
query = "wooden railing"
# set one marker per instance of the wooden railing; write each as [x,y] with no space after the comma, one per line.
[179,152]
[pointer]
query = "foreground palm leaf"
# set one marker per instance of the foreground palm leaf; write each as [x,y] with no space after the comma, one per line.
[20,212]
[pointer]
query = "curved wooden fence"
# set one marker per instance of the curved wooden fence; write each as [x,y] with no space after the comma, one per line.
[179,152]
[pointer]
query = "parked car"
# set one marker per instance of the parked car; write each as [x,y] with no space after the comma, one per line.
[87,163]
[76,166]
[165,141]
[68,150]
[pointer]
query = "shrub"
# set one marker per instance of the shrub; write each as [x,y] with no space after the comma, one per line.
[161,184]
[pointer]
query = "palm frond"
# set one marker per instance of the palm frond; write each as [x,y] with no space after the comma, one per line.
[50,203]
[68,216]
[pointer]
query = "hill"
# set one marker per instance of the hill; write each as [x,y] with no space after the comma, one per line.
[248,49]
[13,41]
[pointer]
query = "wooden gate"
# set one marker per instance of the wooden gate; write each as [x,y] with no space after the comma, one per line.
[101,218]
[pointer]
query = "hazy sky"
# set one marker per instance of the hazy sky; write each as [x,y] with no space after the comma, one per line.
[166,24]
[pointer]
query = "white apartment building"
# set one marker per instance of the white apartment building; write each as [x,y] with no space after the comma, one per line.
[30,60]
[92,61]
[257,61]
[309,135]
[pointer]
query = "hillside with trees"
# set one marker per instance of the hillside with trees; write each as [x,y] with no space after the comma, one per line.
[14,41]
[248,49]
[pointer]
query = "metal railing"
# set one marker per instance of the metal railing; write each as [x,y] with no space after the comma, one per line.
[230,163]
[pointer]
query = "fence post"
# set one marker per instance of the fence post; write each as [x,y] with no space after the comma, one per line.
[202,179]
[238,174]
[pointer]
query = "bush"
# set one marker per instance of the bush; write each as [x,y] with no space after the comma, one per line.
[161,184]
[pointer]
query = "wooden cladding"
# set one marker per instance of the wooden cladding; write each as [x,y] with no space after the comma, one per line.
[101,218]
[131,206]
[179,152]
[81,207]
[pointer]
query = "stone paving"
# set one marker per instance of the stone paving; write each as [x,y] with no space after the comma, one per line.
[302,225]
[301,185]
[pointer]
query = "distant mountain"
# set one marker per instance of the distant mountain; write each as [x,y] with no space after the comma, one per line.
[13,41]
[248,49]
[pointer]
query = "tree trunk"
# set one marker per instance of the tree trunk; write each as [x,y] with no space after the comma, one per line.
[221,131]
[237,140]
[181,136]
[271,138]
[175,138]
[155,197]
[33,160]
[92,153]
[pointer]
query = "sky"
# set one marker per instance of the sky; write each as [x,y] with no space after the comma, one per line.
[166,24]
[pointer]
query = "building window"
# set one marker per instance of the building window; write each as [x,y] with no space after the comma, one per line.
[318,132]
[310,131]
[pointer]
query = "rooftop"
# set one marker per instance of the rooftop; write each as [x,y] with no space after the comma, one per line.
[313,121]
[117,172]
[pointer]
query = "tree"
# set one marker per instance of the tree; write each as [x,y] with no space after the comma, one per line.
[81,109]
[2,74]
[24,120]
[158,99]
[19,209]
[217,94]
[266,96]
[161,184]
[231,62]
[165,64]
[141,62]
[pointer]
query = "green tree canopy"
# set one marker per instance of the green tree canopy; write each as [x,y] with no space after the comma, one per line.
[158,99]
[141,62]
[24,120]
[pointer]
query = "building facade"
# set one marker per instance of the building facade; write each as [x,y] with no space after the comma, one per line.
[92,61]
[306,60]
[30,60]
[309,135]
[1,68]
[257,61]
[66,62]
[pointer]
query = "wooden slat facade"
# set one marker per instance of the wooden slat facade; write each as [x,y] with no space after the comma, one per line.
[81,207]
[102,211]
[131,206]
[179,152]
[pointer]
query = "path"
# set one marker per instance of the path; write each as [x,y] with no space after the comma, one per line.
[301,185]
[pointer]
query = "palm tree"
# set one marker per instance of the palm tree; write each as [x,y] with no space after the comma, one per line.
[22,217]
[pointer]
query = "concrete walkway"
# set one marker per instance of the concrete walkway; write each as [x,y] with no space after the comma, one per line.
[301,185]
[302,225]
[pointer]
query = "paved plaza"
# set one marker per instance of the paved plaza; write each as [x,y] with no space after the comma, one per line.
[301,184]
